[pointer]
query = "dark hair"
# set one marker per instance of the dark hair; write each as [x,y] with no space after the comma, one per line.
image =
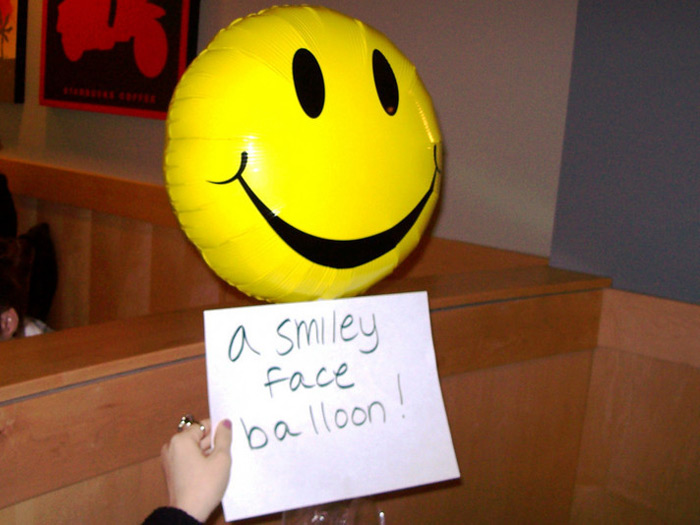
[10,296]
[8,213]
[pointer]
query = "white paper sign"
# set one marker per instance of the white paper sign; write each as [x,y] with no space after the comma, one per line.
[329,400]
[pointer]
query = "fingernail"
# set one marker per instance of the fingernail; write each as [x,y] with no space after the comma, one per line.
[227,423]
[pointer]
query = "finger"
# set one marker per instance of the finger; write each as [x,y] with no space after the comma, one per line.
[205,427]
[194,432]
[205,442]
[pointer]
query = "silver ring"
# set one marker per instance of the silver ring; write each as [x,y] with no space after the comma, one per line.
[187,421]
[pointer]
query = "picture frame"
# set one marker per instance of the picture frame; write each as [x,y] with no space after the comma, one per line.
[13,49]
[122,57]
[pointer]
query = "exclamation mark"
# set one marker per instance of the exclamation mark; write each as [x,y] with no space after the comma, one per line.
[398,383]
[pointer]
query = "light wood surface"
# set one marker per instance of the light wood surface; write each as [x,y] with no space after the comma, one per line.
[494,334]
[68,435]
[640,450]
[650,326]
[90,191]
[640,447]
[69,357]
[115,267]
[84,411]
[121,254]
[471,336]
[511,471]
[149,203]
[515,430]
[135,488]
[146,369]
[449,290]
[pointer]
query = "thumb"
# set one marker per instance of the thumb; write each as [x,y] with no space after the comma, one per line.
[222,437]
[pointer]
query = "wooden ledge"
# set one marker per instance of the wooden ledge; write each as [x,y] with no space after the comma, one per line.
[73,356]
[126,198]
[469,288]
[76,355]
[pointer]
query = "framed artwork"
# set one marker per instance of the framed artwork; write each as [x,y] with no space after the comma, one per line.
[116,56]
[13,36]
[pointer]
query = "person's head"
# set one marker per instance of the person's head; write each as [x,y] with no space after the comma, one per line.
[9,324]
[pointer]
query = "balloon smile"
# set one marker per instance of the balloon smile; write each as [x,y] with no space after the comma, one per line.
[340,254]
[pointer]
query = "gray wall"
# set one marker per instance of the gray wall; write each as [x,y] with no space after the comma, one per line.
[498,72]
[629,197]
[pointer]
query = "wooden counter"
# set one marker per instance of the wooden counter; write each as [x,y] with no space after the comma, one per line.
[84,411]
[92,405]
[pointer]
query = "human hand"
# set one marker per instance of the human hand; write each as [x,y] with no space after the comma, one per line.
[197,475]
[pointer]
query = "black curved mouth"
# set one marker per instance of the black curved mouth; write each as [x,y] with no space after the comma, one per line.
[340,254]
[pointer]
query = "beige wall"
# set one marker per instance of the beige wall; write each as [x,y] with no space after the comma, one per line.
[498,72]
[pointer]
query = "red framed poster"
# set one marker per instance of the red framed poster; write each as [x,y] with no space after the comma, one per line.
[116,56]
[13,32]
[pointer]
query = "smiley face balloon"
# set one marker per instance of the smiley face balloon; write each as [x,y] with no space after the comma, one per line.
[302,154]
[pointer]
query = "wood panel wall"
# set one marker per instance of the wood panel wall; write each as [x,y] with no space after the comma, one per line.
[113,267]
[121,253]
[640,450]
[88,426]
[534,442]
[553,419]
[516,442]
[84,411]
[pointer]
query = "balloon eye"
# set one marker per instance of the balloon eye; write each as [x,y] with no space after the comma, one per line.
[385,82]
[308,82]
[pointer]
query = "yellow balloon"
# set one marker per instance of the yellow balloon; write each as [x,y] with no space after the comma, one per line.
[302,154]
